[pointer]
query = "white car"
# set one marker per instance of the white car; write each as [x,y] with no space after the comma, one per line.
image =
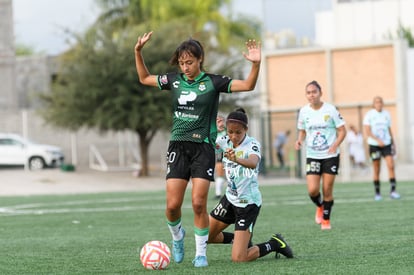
[16,150]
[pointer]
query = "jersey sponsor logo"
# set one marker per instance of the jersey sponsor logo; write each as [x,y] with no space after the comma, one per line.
[187,96]
[185,116]
[163,79]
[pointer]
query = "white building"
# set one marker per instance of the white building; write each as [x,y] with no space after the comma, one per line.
[362,21]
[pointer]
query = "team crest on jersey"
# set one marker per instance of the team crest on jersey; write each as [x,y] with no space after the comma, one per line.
[164,79]
[326,117]
[202,86]
[239,154]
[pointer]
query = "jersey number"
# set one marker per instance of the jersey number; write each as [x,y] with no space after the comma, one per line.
[314,166]
[220,211]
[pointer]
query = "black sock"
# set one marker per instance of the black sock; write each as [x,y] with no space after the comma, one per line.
[266,248]
[327,208]
[228,237]
[377,187]
[316,200]
[393,184]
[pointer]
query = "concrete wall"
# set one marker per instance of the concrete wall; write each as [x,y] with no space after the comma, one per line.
[7,90]
[350,77]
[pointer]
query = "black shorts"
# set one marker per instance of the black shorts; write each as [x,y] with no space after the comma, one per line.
[322,166]
[376,152]
[243,217]
[186,159]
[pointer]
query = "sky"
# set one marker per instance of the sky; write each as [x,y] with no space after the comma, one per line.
[39,24]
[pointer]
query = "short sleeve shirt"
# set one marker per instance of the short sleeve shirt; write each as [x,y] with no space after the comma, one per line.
[380,122]
[242,182]
[320,126]
[195,105]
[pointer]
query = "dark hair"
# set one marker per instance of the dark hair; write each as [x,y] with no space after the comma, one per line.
[239,116]
[192,47]
[315,83]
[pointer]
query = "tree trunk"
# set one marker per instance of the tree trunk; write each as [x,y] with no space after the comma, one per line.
[145,138]
[143,145]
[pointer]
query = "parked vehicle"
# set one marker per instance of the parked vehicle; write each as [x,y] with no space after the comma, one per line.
[16,150]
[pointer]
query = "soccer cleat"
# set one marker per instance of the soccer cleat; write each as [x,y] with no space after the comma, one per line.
[178,249]
[378,197]
[319,214]
[394,195]
[281,246]
[326,225]
[200,261]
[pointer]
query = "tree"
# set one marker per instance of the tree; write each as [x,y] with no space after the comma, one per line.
[97,85]
[98,88]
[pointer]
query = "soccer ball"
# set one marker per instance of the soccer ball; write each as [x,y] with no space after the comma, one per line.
[155,255]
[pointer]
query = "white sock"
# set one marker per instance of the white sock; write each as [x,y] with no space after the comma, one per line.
[201,238]
[218,184]
[175,229]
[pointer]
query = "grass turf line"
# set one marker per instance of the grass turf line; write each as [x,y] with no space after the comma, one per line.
[102,233]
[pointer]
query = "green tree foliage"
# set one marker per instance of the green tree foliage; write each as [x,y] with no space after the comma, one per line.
[98,88]
[403,33]
[23,50]
[97,85]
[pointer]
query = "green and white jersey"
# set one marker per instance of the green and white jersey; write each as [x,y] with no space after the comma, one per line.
[242,183]
[195,105]
[220,134]
[320,126]
[380,122]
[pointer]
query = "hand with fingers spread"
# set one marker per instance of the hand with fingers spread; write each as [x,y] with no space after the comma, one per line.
[254,51]
[142,40]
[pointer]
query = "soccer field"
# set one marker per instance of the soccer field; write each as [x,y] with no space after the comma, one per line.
[102,233]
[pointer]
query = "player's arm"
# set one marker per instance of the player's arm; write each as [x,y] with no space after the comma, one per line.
[254,56]
[250,162]
[340,136]
[369,133]
[300,139]
[143,74]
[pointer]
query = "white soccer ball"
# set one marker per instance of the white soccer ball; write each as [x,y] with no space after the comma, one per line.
[155,255]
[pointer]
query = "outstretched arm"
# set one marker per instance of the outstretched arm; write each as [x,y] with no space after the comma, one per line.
[253,55]
[143,74]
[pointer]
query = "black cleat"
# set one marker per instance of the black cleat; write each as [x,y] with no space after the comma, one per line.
[281,246]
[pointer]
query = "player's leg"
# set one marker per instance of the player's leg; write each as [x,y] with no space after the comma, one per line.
[240,251]
[313,184]
[175,196]
[375,155]
[199,197]
[389,159]
[219,179]
[328,200]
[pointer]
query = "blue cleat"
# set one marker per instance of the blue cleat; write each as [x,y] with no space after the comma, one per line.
[178,249]
[200,261]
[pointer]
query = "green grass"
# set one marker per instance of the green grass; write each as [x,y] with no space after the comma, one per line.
[101,233]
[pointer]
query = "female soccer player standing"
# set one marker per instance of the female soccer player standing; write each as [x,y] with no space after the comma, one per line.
[324,129]
[377,125]
[191,148]
[241,203]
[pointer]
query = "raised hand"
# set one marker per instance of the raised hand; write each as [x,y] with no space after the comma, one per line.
[142,40]
[254,51]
